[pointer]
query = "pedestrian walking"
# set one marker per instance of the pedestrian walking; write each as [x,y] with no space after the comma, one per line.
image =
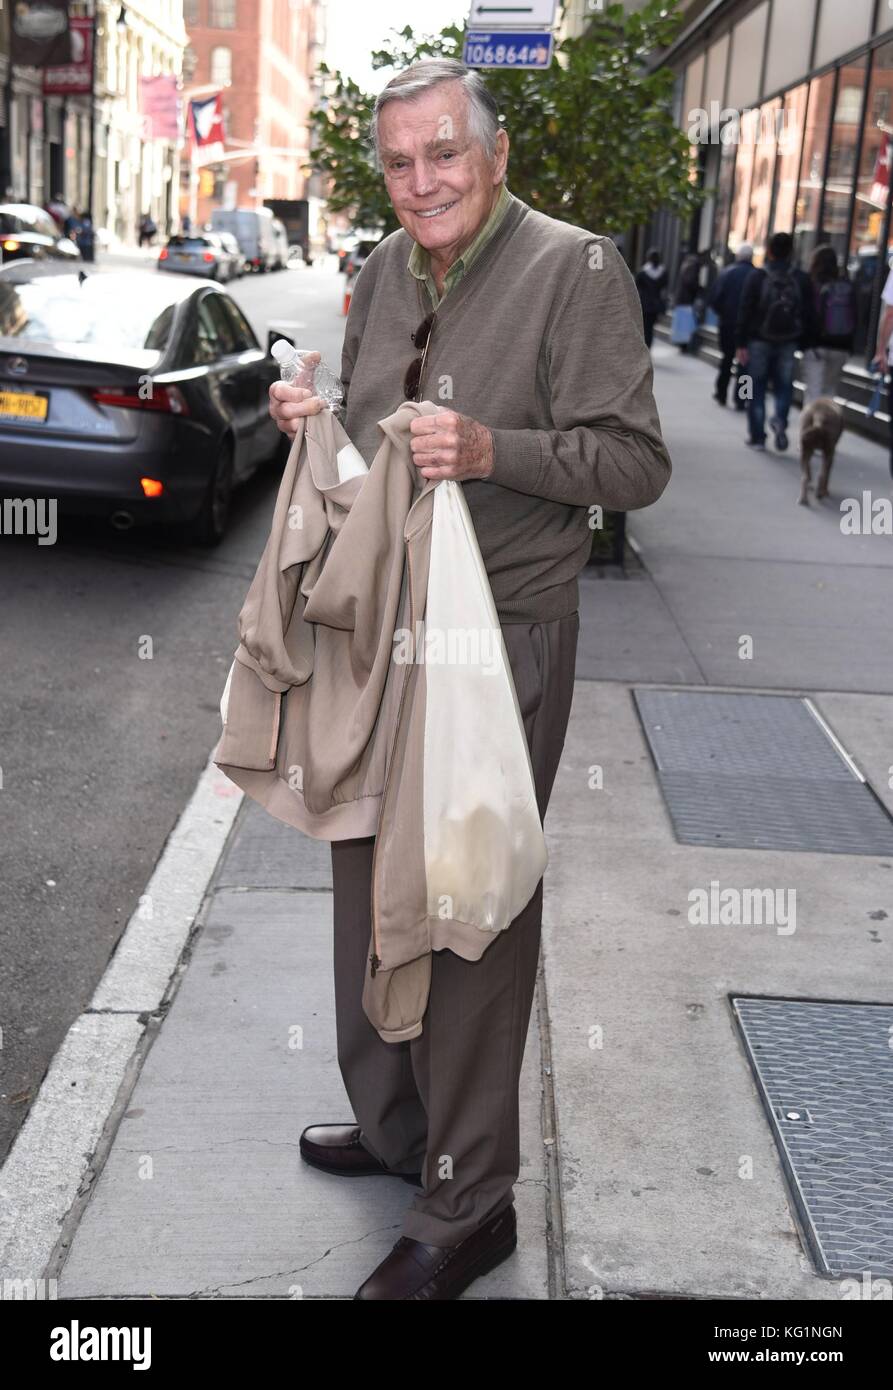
[775,317]
[688,285]
[835,312]
[86,238]
[72,224]
[58,210]
[651,282]
[724,299]
[147,229]
[566,420]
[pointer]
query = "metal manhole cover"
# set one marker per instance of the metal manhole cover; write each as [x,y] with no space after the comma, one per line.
[759,772]
[825,1075]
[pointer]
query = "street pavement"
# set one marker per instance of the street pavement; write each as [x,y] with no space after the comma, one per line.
[210,1043]
[100,749]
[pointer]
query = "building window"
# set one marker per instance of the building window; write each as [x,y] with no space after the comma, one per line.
[748,131]
[769,123]
[872,190]
[790,37]
[724,186]
[223,14]
[192,12]
[748,40]
[787,172]
[222,66]
[841,175]
[812,168]
[843,24]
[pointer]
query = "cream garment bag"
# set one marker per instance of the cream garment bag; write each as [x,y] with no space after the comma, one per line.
[351,464]
[485,851]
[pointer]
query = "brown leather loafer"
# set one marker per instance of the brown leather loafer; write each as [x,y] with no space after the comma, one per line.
[414,1270]
[337,1149]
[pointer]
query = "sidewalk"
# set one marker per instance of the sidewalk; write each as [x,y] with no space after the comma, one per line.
[631,1150]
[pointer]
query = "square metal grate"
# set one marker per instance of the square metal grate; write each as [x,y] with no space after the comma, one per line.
[825,1074]
[750,771]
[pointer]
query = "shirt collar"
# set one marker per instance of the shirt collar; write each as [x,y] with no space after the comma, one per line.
[419,263]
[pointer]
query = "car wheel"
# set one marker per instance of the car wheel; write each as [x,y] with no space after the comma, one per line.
[208,527]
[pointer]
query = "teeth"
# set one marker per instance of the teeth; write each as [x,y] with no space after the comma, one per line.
[433,212]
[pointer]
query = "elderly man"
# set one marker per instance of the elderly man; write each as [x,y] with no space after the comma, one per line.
[529,333]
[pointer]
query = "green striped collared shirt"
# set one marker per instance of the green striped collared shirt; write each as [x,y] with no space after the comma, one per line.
[419,263]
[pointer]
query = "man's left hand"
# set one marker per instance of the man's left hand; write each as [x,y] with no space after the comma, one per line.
[450,445]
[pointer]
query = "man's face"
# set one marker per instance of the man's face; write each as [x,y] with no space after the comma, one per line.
[441,183]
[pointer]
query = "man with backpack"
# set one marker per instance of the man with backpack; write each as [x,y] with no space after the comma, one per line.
[776,316]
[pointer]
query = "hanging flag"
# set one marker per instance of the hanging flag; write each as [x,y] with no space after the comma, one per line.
[206,120]
[76,76]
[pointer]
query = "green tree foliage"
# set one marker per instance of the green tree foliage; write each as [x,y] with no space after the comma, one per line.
[593,139]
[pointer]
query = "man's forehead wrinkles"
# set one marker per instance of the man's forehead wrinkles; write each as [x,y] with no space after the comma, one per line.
[434,144]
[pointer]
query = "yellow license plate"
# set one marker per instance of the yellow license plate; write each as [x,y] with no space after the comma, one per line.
[15,405]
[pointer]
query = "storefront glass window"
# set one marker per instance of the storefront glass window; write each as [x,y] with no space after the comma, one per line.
[748,40]
[691,100]
[768,123]
[790,36]
[723,197]
[872,188]
[843,24]
[787,165]
[747,138]
[841,174]
[715,80]
[812,167]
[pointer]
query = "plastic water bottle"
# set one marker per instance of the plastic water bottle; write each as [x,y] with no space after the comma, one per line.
[293,369]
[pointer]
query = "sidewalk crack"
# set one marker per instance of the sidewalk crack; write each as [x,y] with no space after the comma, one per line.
[287,1273]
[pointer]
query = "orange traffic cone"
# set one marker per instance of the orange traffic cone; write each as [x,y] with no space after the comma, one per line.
[348,291]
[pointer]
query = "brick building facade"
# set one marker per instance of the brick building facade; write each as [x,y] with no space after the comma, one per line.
[262,55]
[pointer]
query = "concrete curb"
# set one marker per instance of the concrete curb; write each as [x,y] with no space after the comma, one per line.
[52,1156]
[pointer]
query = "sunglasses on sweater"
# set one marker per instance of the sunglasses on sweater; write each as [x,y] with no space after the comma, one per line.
[421,338]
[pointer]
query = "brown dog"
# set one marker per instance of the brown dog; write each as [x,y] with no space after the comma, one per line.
[821,425]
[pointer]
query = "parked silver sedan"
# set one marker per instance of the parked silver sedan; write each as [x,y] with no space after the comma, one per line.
[199,253]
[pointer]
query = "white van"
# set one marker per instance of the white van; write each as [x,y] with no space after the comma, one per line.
[253,230]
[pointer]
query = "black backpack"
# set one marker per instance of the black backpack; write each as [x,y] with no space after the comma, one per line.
[780,307]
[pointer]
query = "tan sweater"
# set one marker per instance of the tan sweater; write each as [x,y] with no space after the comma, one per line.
[542,341]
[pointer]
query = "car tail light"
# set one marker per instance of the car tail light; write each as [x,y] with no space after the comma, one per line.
[151,487]
[168,399]
[163,255]
[208,256]
[11,245]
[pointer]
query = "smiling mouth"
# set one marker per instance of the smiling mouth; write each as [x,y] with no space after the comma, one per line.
[436,212]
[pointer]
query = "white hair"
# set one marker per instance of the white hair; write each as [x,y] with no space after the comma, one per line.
[483,113]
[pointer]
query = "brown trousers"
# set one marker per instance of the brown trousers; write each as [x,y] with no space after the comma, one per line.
[446,1103]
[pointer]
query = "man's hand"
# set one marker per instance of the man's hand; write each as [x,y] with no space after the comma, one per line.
[288,404]
[742,356]
[450,445]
